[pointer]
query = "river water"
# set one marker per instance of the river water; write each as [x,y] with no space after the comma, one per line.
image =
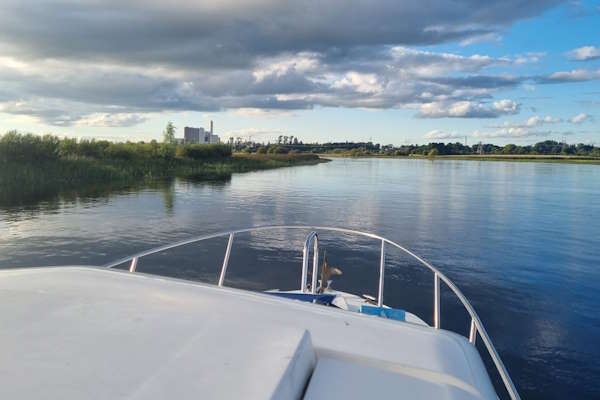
[522,241]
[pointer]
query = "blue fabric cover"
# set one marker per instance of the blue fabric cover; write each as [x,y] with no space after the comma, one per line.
[390,313]
[309,297]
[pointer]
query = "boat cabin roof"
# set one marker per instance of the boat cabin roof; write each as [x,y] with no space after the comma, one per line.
[86,332]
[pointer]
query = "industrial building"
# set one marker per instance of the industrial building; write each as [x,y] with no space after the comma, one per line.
[199,135]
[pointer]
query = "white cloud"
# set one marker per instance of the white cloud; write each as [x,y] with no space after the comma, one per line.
[506,106]
[528,58]
[438,134]
[580,118]
[535,120]
[531,122]
[362,83]
[301,62]
[585,53]
[107,120]
[576,75]
[516,133]
[468,109]
[486,37]
[529,128]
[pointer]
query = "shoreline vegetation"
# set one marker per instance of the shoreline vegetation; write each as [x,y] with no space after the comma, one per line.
[31,164]
[546,151]
[476,157]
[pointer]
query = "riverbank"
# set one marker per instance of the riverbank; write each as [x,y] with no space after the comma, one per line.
[23,181]
[32,166]
[484,157]
[72,171]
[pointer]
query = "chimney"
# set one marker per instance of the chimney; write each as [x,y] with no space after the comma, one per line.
[211,127]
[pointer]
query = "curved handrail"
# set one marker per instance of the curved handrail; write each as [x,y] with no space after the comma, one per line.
[476,324]
[313,236]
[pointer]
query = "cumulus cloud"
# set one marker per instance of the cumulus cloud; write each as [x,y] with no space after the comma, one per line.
[518,133]
[112,63]
[580,118]
[362,83]
[535,120]
[576,75]
[531,122]
[438,134]
[534,126]
[585,53]
[54,112]
[505,107]
[111,120]
[513,133]
[486,37]
[468,109]
[531,57]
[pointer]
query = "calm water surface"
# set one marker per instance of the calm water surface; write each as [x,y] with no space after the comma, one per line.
[522,240]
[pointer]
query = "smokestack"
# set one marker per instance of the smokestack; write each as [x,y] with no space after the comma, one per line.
[211,127]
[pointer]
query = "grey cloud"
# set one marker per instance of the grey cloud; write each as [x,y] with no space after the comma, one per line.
[233,33]
[52,113]
[112,61]
[480,81]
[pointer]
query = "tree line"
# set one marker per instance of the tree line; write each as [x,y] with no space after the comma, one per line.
[547,147]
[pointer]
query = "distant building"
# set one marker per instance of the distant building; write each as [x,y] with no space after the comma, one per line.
[191,135]
[199,135]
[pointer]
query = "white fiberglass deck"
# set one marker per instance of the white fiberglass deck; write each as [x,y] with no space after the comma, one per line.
[83,333]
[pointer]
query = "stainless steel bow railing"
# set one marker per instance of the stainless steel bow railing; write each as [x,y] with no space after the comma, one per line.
[476,326]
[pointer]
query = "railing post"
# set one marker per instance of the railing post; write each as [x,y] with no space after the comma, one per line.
[472,332]
[304,268]
[315,272]
[226,260]
[133,264]
[436,301]
[381,275]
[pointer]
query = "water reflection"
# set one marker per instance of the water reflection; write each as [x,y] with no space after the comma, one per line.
[19,205]
[520,239]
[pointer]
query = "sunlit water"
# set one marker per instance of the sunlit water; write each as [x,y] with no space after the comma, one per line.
[522,240]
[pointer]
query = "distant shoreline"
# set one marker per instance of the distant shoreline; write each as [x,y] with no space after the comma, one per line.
[477,157]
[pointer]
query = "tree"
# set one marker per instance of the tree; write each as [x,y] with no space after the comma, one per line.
[169,133]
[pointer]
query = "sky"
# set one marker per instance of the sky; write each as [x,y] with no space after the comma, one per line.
[390,71]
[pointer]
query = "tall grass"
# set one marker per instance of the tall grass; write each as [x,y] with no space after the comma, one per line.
[28,147]
[31,164]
